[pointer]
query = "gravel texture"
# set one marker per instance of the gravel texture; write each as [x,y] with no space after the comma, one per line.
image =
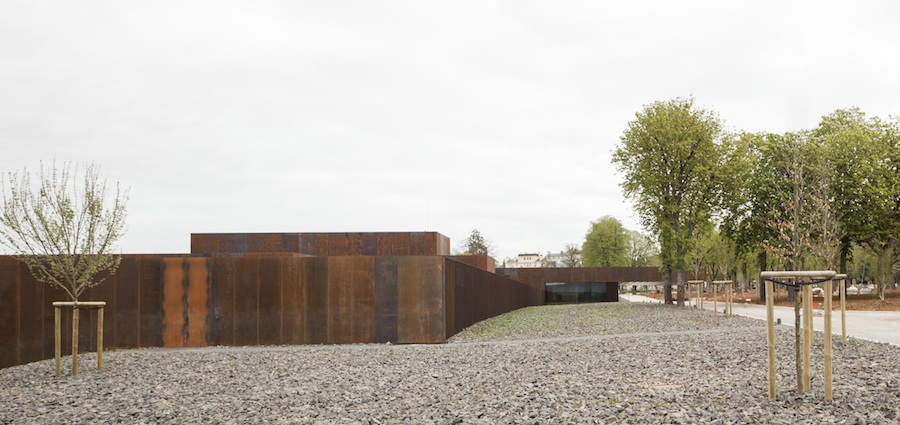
[601,363]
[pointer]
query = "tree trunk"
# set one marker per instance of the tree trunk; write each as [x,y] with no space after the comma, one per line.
[680,279]
[667,288]
[762,267]
[798,359]
[845,251]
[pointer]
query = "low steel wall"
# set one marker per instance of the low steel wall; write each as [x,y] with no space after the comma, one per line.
[191,301]
[474,294]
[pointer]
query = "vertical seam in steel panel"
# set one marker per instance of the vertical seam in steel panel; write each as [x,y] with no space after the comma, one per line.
[185,301]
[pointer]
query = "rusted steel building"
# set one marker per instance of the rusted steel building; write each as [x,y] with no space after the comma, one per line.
[285,288]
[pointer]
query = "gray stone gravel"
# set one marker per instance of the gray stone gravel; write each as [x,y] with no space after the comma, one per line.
[648,374]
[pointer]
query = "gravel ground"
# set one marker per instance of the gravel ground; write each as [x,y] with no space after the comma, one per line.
[601,363]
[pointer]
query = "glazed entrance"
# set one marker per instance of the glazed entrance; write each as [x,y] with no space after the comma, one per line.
[575,292]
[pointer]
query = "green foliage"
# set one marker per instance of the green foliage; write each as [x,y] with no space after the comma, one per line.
[605,244]
[640,249]
[865,174]
[63,229]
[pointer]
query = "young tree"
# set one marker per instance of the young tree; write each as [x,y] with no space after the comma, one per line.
[605,244]
[65,227]
[672,157]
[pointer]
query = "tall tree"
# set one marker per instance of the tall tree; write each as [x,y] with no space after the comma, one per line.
[672,157]
[605,244]
[64,226]
[865,171]
[640,249]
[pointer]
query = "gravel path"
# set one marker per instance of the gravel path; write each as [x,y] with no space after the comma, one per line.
[667,365]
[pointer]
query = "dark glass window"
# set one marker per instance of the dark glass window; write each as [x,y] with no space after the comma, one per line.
[572,292]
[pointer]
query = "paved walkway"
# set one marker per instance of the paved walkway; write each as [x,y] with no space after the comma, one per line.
[879,326]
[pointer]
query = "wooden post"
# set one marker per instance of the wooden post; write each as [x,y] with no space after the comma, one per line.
[75,339]
[828,353]
[798,340]
[730,299]
[700,295]
[807,335]
[58,334]
[770,321]
[797,276]
[715,299]
[843,289]
[100,338]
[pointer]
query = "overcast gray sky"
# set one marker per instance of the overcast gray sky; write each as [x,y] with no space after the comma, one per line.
[330,116]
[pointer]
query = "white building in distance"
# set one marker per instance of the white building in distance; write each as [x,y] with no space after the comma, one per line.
[535,260]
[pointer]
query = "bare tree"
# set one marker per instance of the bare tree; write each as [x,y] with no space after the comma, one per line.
[571,255]
[63,227]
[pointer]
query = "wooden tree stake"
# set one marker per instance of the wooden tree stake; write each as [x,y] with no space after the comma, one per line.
[100,338]
[807,336]
[715,299]
[843,289]
[770,321]
[828,353]
[75,339]
[76,306]
[802,362]
[58,334]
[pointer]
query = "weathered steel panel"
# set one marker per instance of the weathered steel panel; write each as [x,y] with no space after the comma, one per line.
[415,244]
[293,316]
[270,301]
[10,311]
[246,301]
[433,299]
[317,301]
[411,311]
[212,243]
[340,270]
[445,245]
[385,244]
[386,299]
[174,314]
[197,302]
[124,312]
[151,303]
[31,297]
[221,302]
[363,298]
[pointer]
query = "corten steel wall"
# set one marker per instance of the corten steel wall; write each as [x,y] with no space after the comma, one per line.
[325,300]
[324,244]
[482,262]
[132,317]
[473,294]
[537,277]
[192,301]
